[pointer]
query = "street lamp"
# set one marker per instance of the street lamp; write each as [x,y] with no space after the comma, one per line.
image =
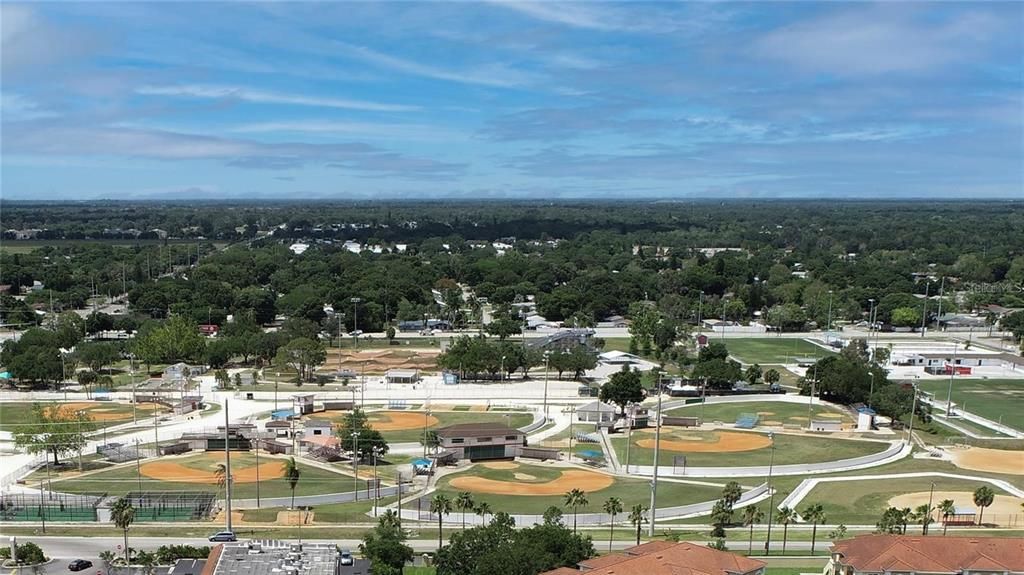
[771,493]
[501,372]
[547,358]
[913,410]
[871,325]
[871,392]
[700,309]
[828,326]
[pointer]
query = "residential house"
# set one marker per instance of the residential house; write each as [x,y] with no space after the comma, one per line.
[911,555]
[666,558]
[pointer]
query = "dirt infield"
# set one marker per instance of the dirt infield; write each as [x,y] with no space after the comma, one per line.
[401,420]
[723,442]
[588,481]
[1001,505]
[106,412]
[992,460]
[500,465]
[175,472]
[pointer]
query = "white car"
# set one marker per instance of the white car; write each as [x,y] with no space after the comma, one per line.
[346,558]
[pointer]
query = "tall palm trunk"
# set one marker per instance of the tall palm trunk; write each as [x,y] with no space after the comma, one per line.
[611,537]
[440,519]
[637,532]
[126,560]
[750,548]
[574,519]
[814,535]
[785,534]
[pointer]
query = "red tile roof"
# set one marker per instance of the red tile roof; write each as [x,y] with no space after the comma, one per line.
[879,553]
[664,558]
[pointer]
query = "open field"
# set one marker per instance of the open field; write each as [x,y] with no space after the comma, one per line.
[15,415]
[995,399]
[864,501]
[406,426]
[722,448]
[483,481]
[770,412]
[768,349]
[195,473]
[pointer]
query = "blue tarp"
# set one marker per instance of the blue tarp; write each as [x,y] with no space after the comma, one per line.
[591,454]
[5,375]
[282,414]
[422,463]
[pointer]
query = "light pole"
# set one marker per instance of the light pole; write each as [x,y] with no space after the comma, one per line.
[501,371]
[724,299]
[871,392]
[131,365]
[79,414]
[355,319]
[654,475]
[952,373]
[376,484]
[828,326]
[913,410]
[355,462]
[928,518]
[924,307]
[771,493]
[547,358]
[426,419]
[871,324]
[277,380]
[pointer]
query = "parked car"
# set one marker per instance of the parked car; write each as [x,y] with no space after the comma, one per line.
[79,565]
[223,536]
[346,558]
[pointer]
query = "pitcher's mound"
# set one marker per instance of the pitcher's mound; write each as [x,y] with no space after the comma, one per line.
[991,460]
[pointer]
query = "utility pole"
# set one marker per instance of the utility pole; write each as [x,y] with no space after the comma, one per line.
[654,477]
[949,395]
[227,465]
[942,289]
[924,308]
[828,325]
[547,356]
[771,494]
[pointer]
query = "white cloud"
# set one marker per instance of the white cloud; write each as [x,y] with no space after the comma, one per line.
[375,130]
[570,14]
[876,41]
[15,108]
[493,74]
[266,97]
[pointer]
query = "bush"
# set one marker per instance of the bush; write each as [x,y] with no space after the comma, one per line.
[168,554]
[28,554]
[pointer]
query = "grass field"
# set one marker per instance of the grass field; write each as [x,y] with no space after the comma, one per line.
[630,491]
[767,350]
[15,415]
[125,478]
[863,502]
[771,411]
[788,449]
[990,398]
[355,512]
[444,418]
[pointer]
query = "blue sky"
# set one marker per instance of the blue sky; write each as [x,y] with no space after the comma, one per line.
[511,99]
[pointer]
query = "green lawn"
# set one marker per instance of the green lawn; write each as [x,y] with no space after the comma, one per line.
[355,512]
[993,399]
[863,502]
[445,418]
[784,412]
[630,491]
[788,449]
[769,349]
[15,415]
[124,479]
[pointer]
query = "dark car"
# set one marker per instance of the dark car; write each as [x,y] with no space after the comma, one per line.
[223,536]
[79,564]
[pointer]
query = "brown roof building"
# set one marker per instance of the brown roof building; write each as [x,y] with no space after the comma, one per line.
[481,441]
[908,555]
[666,558]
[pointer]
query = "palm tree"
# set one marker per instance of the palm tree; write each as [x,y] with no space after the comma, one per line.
[292,473]
[221,473]
[947,509]
[815,514]
[123,515]
[613,506]
[465,503]
[983,497]
[147,560]
[923,515]
[483,509]
[442,506]
[904,514]
[752,515]
[575,498]
[638,516]
[785,516]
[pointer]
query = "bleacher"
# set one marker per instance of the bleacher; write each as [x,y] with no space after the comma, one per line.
[397,404]
[747,420]
[582,437]
[327,454]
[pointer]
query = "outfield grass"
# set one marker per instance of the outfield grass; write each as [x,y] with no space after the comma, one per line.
[629,491]
[355,512]
[863,502]
[772,349]
[313,480]
[788,449]
[445,418]
[15,415]
[993,399]
[784,412]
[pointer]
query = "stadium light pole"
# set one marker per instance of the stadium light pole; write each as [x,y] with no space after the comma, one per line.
[949,394]
[924,307]
[771,493]
[355,319]
[654,476]
[828,325]
[227,466]
[871,325]
[547,359]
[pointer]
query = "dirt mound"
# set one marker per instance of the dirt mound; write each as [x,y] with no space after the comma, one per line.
[587,481]
[722,442]
[991,460]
